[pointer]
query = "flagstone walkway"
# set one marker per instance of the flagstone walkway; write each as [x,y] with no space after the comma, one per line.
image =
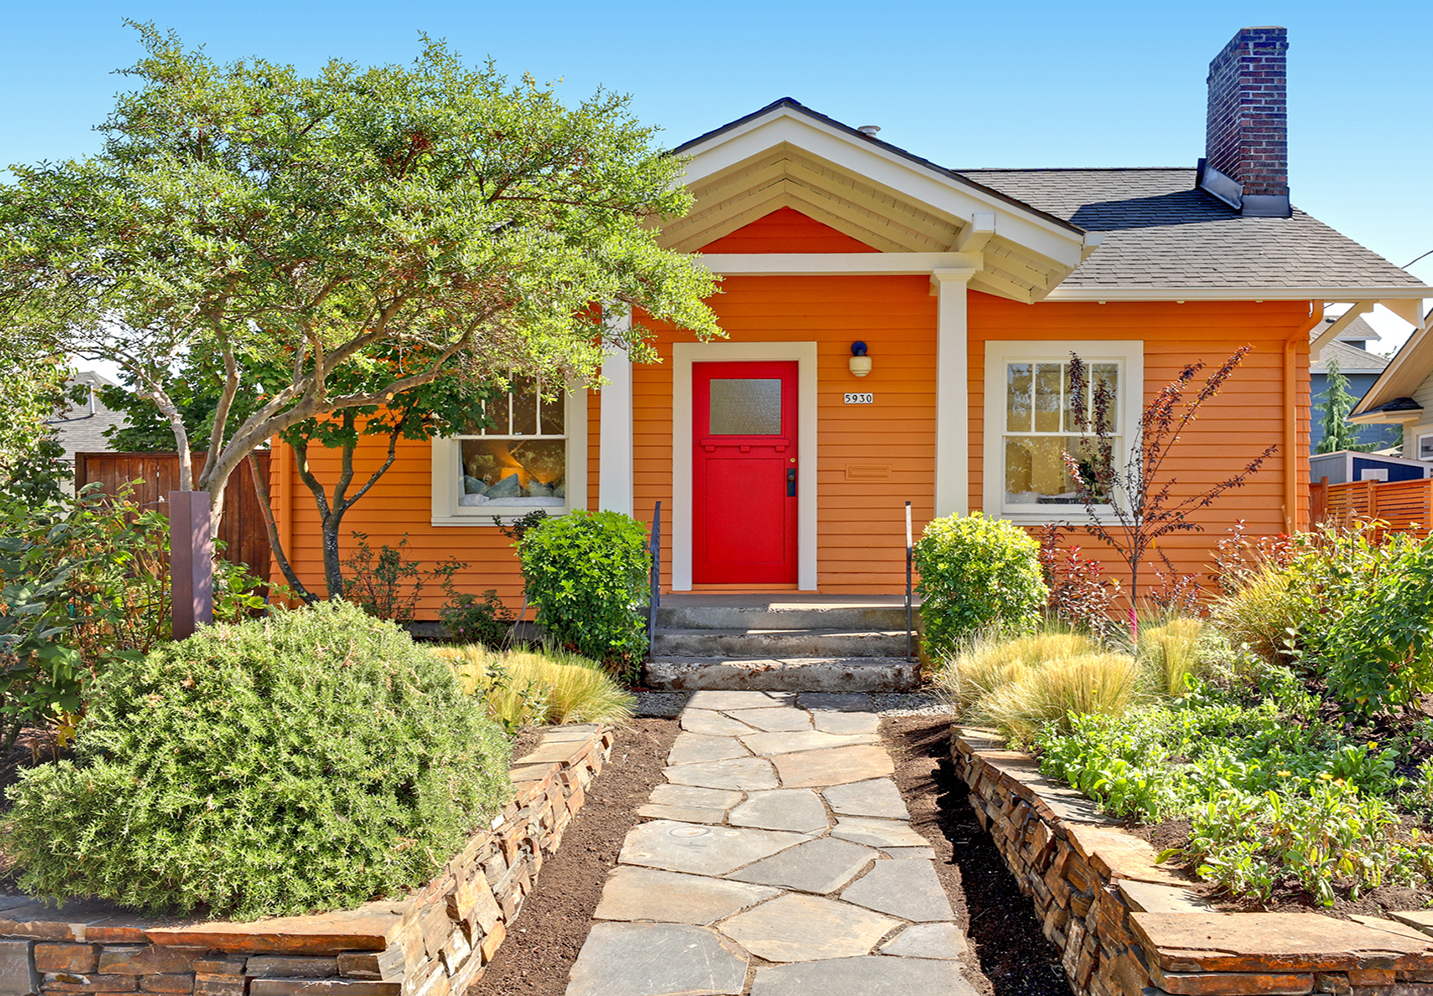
[777,860]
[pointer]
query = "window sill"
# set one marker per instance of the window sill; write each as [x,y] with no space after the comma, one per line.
[483,516]
[1073,515]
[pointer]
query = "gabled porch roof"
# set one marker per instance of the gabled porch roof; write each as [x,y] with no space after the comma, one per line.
[921,216]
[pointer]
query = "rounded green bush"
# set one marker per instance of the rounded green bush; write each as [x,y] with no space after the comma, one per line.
[316,759]
[588,576]
[975,573]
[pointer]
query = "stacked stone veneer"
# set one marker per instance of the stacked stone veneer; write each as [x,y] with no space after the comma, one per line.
[1127,926]
[434,942]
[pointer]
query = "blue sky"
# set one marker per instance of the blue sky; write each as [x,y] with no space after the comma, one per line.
[966,85]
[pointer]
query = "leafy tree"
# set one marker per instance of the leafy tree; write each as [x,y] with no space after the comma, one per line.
[434,212]
[1144,507]
[439,407]
[32,466]
[1337,402]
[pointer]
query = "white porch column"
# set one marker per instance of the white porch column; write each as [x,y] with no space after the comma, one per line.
[952,400]
[614,477]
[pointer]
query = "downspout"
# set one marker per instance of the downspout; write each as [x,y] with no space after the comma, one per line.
[1292,456]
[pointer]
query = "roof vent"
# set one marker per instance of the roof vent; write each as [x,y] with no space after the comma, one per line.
[869,130]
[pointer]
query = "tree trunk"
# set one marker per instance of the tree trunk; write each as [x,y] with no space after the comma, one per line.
[261,488]
[332,566]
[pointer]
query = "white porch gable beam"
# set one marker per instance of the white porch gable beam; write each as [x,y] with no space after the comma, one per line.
[1343,321]
[952,419]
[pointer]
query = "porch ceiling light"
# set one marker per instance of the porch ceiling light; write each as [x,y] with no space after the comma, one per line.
[860,362]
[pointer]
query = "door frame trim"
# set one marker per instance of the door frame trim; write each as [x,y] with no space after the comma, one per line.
[684,354]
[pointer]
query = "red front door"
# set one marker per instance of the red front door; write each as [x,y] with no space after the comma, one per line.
[744,472]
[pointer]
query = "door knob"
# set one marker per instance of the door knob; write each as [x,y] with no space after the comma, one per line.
[791,482]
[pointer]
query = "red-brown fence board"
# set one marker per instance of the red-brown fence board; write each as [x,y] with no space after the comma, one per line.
[154,475]
[1406,506]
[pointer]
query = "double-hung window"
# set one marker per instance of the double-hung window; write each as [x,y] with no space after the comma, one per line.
[517,456]
[1033,419]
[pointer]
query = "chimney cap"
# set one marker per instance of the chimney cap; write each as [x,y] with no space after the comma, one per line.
[869,130]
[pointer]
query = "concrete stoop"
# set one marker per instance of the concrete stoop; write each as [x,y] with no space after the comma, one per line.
[781,643]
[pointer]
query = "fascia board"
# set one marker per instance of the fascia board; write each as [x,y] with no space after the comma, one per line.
[1331,294]
[875,164]
[852,264]
[1404,374]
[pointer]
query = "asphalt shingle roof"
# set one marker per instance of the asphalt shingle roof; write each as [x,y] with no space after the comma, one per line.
[1159,231]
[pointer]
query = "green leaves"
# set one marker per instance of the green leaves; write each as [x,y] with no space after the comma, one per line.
[587,573]
[975,572]
[311,760]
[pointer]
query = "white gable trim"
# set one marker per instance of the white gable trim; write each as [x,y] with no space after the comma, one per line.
[880,165]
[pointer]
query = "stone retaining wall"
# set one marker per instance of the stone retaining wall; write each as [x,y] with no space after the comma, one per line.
[1127,926]
[432,943]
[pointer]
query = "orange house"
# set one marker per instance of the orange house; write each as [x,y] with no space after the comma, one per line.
[899,331]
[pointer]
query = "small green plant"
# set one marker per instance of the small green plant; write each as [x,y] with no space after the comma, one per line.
[523,688]
[976,573]
[386,584]
[588,574]
[470,619]
[312,760]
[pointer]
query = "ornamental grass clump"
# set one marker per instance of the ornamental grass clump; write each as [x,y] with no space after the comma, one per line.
[523,687]
[1101,684]
[312,760]
[1169,653]
[990,662]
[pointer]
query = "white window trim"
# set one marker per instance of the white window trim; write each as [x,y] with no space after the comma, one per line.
[1418,445]
[998,353]
[684,354]
[447,511]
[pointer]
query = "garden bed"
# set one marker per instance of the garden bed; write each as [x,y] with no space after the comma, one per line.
[437,940]
[1126,924]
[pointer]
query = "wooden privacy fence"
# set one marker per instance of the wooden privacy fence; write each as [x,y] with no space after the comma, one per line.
[154,475]
[1407,506]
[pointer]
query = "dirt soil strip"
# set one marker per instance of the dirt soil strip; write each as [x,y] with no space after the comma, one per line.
[544,940]
[1013,957]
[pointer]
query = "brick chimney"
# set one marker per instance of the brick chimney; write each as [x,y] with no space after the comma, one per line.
[1246,144]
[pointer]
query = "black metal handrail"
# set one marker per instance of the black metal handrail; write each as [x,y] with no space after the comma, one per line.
[909,557]
[654,597]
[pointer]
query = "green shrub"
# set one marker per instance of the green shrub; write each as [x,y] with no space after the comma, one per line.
[588,575]
[470,619]
[975,573]
[524,687]
[1365,616]
[311,760]
[84,582]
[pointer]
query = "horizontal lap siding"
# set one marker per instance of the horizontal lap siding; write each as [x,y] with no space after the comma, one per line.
[1232,429]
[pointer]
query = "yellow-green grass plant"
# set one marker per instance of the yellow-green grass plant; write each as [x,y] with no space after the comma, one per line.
[1259,614]
[991,661]
[1090,683]
[548,687]
[1169,654]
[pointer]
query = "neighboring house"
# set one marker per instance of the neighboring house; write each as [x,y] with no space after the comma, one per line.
[1356,363]
[82,427]
[779,467]
[1403,394]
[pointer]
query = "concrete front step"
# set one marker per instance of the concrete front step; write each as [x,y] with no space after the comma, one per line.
[792,674]
[769,643]
[771,614]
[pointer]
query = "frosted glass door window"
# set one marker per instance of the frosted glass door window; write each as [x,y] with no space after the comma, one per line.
[747,406]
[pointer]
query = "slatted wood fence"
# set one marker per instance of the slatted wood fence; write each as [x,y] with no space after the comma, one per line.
[1406,506]
[154,475]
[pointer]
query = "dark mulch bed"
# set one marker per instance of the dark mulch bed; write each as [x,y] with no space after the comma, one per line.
[1012,956]
[1287,897]
[544,940]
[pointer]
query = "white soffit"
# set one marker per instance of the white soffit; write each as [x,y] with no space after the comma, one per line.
[859,187]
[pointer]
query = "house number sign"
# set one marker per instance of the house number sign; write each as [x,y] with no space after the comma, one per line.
[860,399]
